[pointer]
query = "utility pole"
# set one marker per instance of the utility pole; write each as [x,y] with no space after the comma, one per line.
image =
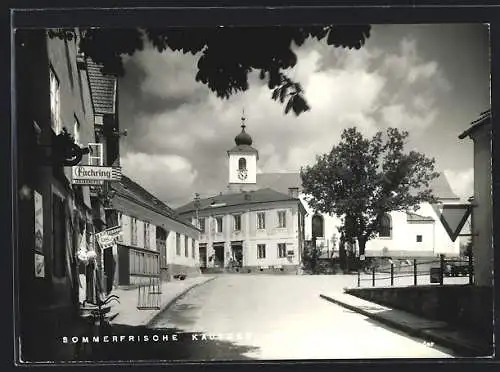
[197,207]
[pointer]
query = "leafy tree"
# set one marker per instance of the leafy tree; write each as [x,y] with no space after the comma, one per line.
[227,54]
[361,179]
[466,248]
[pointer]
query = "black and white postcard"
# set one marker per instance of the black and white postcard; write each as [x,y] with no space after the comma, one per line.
[253,193]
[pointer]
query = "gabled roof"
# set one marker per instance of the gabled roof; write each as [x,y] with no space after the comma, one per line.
[484,118]
[242,198]
[102,88]
[133,191]
[282,181]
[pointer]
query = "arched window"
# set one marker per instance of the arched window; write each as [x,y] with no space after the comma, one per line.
[385,229]
[242,163]
[317,224]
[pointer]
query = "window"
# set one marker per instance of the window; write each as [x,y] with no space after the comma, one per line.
[55,103]
[261,251]
[96,155]
[385,228]
[218,220]
[237,222]
[177,244]
[419,238]
[282,219]
[201,224]
[281,250]
[261,221]
[193,245]
[59,238]
[133,231]
[146,235]
[242,163]
[317,226]
[76,131]
[186,250]
[161,242]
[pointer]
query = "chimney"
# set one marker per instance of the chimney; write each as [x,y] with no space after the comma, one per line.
[246,195]
[293,192]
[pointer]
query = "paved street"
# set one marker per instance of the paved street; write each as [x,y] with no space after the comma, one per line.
[281,317]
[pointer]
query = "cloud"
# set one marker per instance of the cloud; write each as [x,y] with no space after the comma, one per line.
[165,176]
[461,182]
[165,73]
[398,116]
[180,131]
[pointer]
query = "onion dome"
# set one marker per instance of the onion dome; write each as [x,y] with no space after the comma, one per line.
[243,138]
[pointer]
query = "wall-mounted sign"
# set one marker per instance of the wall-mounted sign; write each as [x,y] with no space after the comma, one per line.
[88,174]
[38,222]
[106,238]
[39,266]
[87,182]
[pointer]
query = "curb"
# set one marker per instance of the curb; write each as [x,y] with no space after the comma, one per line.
[174,299]
[426,334]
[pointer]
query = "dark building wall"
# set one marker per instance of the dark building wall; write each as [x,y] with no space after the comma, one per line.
[49,304]
[33,104]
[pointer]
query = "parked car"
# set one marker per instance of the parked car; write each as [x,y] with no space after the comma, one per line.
[453,269]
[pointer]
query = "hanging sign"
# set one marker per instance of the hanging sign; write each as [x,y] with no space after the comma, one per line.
[38,222]
[106,238]
[39,266]
[94,175]
[453,217]
[87,182]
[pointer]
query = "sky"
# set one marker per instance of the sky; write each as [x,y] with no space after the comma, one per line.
[431,80]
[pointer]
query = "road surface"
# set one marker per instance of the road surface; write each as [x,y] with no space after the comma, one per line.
[281,317]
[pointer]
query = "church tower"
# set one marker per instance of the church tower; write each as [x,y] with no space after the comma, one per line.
[242,162]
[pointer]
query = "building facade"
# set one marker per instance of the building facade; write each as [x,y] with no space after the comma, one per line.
[405,234]
[258,231]
[54,120]
[248,229]
[155,243]
[482,211]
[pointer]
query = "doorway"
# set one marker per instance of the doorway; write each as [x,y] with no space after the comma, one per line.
[238,255]
[203,256]
[219,256]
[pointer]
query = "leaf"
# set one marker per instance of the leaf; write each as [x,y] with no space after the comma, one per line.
[228,53]
[289,104]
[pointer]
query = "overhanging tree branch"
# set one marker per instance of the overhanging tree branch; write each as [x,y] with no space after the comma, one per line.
[227,55]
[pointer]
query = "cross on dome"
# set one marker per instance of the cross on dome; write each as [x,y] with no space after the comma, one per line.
[243,138]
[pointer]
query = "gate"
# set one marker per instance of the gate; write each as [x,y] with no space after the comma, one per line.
[149,295]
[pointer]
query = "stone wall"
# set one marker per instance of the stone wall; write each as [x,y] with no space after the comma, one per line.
[464,306]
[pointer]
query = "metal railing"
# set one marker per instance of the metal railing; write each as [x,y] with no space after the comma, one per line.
[437,270]
[149,295]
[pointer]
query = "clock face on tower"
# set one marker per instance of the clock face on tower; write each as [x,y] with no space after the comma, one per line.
[242,174]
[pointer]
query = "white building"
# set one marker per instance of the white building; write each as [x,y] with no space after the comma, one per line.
[415,234]
[155,243]
[261,230]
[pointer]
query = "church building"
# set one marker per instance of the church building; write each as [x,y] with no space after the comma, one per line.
[263,220]
[246,228]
